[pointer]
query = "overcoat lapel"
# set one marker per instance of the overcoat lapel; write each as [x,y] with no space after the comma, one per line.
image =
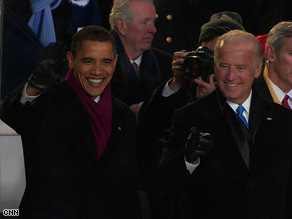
[239,133]
[80,119]
[241,139]
[115,132]
[229,130]
[256,110]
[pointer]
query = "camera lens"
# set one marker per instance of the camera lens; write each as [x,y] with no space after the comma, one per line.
[199,63]
[193,66]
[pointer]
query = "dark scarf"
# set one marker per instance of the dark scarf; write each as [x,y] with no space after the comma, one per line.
[100,113]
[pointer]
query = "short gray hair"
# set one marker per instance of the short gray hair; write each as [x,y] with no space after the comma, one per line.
[278,33]
[122,10]
[239,36]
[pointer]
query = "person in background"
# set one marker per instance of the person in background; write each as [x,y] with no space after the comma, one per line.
[275,83]
[140,68]
[225,149]
[133,25]
[79,139]
[158,108]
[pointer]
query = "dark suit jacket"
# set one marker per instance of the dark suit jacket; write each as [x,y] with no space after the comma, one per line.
[64,180]
[223,186]
[132,88]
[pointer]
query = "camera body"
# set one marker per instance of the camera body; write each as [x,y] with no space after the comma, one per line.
[198,63]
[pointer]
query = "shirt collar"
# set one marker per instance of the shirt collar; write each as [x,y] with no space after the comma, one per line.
[246,105]
[280,94]
[137,60]
[97,99]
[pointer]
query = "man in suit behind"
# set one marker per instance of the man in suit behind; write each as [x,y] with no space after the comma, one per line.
[133,25]
[79,140]
[276,81]
[231,169]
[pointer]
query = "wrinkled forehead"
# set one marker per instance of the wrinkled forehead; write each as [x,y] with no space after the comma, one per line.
[143,10]
[235,48]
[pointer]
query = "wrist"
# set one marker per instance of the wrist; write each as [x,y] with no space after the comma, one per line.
[31,91]
[174,84]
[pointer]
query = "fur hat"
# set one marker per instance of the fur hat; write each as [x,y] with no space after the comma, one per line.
[219,24]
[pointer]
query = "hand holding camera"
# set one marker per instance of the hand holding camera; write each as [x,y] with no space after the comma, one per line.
[178,73]
[198,144]
[199,63]
[205,87]
[50,67]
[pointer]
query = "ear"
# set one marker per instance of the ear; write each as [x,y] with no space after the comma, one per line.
[121,26]
[258,69]
[270,53]
[70,59]
[115,61]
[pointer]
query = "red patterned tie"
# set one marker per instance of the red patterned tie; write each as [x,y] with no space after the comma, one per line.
[285,102]
[135,66]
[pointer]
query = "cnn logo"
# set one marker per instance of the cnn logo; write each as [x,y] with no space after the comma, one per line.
[11,212]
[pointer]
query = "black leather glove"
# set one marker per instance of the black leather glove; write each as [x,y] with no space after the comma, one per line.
[50,67]
[198,144]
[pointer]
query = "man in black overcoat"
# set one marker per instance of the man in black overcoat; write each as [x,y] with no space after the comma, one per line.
[78,140]
[227,163]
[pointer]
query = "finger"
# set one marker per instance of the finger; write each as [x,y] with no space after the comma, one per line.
[178,54]
[212,79]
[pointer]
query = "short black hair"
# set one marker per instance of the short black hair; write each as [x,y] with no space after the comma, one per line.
[92,33]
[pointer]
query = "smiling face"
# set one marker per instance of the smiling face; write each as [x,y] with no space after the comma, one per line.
[236,70]
[93,66]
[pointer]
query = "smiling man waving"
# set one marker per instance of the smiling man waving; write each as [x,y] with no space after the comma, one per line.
[78,140]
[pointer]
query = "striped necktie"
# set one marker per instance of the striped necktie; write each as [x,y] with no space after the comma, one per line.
[135,67]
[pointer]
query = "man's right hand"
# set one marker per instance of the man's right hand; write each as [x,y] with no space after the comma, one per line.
[50,67]
[198,144]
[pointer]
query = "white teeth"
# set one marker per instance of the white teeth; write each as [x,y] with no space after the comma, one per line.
[231,85]
[95,81]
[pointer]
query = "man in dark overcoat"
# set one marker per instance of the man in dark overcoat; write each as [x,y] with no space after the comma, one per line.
[228,163]
[78,140]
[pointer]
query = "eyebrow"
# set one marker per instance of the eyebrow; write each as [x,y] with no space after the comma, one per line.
[242,65]
[87,58]
[107,59]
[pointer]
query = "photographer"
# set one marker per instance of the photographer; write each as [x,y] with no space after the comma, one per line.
[158,108]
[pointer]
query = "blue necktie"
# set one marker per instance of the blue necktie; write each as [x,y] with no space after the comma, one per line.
[240,109]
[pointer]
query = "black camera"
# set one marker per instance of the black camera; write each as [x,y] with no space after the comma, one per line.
[199,63]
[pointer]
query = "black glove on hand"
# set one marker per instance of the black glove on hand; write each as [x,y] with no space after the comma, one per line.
[198,144]
[50,67]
